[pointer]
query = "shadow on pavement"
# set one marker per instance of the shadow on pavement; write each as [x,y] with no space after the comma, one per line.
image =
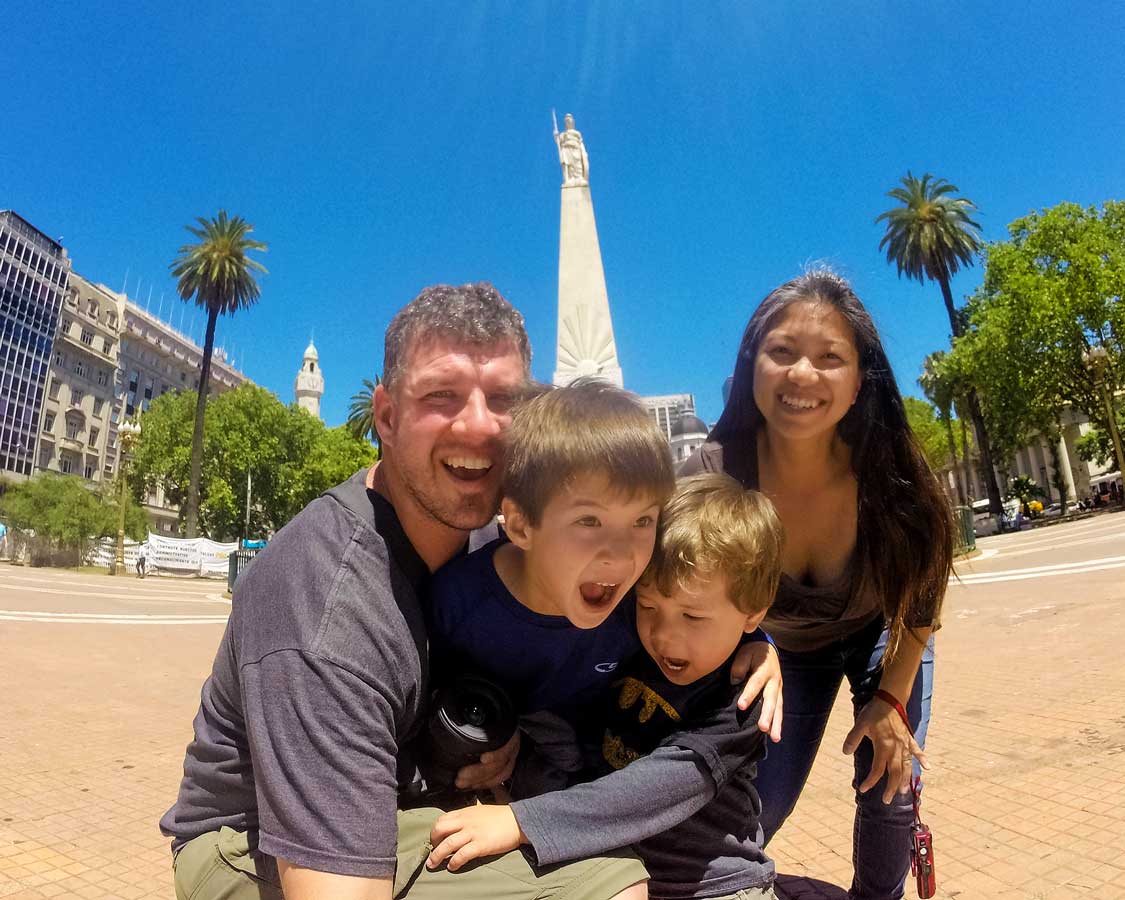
[792,887]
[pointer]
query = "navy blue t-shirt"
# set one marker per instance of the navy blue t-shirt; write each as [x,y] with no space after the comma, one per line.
[544,662]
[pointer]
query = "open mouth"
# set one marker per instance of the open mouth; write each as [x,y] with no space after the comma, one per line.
[598,594]
[467,468]
[673,665]
[799,404]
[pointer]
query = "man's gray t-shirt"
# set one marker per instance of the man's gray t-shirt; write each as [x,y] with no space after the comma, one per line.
[320,679]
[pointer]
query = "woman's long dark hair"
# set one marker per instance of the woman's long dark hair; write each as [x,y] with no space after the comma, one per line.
[904,543]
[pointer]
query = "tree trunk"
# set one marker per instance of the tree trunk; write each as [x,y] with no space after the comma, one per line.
[965,467]
[191,508]
[988,471]
[1058,479]
[953,460]
[995,505]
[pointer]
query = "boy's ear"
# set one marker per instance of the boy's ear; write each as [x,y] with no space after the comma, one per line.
[516,524]
[753,621]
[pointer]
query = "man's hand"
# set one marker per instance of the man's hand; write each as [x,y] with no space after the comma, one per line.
[493,769]
[759,658]
[467,834]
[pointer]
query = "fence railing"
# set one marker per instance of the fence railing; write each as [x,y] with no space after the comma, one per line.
[964,534]
[237,563]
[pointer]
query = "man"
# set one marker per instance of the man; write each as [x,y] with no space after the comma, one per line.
[302,739]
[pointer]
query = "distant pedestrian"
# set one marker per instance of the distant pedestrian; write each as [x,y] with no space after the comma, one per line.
[142,559]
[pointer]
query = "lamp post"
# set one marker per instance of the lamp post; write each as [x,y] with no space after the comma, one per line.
[1096,360]
[128,433]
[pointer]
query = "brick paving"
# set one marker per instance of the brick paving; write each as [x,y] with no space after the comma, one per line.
[1026,798]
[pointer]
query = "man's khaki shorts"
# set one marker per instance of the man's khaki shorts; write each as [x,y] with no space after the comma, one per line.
[219,866]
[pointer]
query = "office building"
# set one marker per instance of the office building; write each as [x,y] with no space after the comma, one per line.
[34,274]
[79,406]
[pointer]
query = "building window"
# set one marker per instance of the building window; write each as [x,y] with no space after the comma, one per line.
[49,422]
[93,439]
[76,397]
[91,468]
[66,464]
[87,337]
[98,404]
[107,346]
[80,368]
[53,390]
[103,377]
[72,428]
[92,308]
[60,360]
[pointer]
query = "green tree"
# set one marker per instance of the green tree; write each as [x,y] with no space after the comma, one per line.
[1095,446]
[1050,292]
[925,422]
[929,236]
[941,390]
[218,274]
[361,412]
[289,456]
[66,515]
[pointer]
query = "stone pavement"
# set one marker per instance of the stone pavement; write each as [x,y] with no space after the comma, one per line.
[99,680]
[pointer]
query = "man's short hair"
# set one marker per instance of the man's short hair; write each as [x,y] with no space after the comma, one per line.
[471,314]
[711,527]
[588,427]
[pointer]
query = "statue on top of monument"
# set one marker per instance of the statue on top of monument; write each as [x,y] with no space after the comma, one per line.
[572,153]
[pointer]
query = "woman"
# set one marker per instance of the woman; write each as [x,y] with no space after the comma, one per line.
[816,422]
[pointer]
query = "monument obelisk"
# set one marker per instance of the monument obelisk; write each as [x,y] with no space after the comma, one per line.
[585,345]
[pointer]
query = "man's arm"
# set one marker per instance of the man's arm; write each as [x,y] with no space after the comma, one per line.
[309,884]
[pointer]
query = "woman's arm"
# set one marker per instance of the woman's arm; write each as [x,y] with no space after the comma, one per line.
[893,742]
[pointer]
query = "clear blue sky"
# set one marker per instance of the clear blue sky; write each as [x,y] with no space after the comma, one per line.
[381,149]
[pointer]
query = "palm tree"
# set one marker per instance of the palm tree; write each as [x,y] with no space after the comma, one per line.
[930,236]
[361,413]
[939,391]
[218,273]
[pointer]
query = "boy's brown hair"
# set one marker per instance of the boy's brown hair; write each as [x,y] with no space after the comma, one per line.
[712,526]
[588,427]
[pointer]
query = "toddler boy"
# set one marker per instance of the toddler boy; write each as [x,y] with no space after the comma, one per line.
[677,756]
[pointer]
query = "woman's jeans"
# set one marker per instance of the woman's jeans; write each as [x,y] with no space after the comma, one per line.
[881,835]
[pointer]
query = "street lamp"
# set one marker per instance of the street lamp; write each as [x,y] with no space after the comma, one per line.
[1096,360]
[127,434]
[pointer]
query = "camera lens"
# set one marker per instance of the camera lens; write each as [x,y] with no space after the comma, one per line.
[474,714]
[470,716]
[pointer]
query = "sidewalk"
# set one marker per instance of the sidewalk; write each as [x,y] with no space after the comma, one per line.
[1026,798]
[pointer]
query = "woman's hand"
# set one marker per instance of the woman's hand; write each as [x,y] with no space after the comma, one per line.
[475,831]
[493,769]
[894,746]
[760,660]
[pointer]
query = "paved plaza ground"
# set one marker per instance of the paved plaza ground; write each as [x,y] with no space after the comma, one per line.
[99,680]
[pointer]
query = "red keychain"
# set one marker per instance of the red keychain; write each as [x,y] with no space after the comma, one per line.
[921,838]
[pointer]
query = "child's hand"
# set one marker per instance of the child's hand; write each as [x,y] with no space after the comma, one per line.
[493,769]
[467,834]
[759,659]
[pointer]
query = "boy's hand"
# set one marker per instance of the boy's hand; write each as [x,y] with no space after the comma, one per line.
[467,834]
[493,769]
[759,658]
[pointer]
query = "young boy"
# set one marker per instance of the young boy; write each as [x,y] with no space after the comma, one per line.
[586,474]
[677,757]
